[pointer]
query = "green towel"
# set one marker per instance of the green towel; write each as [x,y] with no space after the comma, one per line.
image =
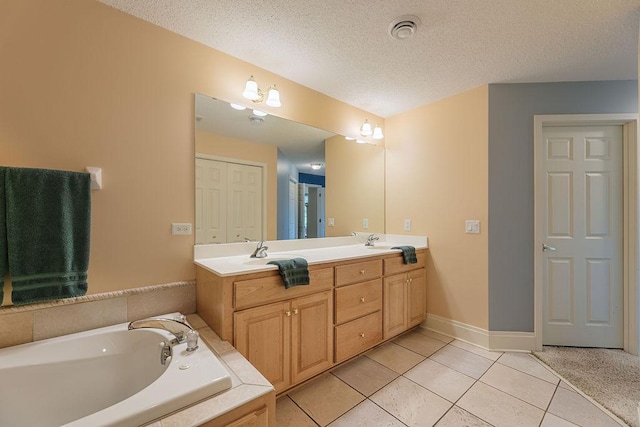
[48,217]
[4,260]
[408,254]
[294,271]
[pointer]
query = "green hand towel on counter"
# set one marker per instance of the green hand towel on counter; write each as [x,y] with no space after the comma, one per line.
[4,260]
[48,218]
[408,254]
[294,271]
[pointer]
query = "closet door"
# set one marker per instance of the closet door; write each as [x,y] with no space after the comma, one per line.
[211,201]
[244,202]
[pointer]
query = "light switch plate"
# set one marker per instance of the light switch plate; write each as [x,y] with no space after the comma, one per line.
[365,223]
[407,225]
[331,222]
[472,226]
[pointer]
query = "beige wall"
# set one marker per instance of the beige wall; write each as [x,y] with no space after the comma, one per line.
[436,175]
[82,84]
[232,148]
[355,186]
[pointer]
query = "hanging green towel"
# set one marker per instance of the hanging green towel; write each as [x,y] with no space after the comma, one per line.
[408,254]
[4,260]
[48,217]
[294,271]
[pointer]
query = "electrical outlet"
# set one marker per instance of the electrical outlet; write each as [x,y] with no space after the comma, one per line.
[181,228]
[407,225]
[365,223]
[331,222]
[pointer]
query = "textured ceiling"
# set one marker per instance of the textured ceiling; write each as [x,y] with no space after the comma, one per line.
[342,47]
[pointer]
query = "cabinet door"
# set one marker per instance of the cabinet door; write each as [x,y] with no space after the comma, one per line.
[311,335]
[416,297]
[262,336]
[395,305]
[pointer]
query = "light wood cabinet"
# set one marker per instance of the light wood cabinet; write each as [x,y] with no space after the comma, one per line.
[291,335]
[288,341]
[404,301]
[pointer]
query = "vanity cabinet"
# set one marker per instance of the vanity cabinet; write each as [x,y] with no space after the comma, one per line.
[291,335]
[405,295]
[287,341]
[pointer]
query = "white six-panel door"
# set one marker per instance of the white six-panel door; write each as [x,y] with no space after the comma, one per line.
[211,207]
[581,234]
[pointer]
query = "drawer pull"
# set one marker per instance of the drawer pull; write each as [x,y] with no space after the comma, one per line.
[361,299]
[295,311]
[361,334]
[361,271]
[287,313]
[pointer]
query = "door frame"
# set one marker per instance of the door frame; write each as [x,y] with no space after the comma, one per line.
[630,215]
[261,165]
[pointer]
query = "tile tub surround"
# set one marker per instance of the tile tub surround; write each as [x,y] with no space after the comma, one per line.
[226,259]
[33,322]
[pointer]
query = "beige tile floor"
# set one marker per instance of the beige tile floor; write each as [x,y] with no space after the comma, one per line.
[426,379]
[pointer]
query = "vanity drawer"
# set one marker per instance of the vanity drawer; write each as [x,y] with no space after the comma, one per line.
[358,335]
[358,272]
[396,264]
[263,290]
[355,301]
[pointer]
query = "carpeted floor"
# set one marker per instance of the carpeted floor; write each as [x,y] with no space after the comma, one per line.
[610,377]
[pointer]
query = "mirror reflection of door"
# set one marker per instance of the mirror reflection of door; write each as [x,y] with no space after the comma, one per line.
[228,202]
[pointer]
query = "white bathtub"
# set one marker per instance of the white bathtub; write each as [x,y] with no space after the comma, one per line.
[103,377]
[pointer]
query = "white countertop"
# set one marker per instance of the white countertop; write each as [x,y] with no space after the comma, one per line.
[234,258]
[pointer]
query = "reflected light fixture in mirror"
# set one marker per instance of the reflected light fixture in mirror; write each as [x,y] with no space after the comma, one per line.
[316,166]
[253,93]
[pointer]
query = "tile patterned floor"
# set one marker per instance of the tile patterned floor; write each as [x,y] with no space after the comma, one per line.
[426,379]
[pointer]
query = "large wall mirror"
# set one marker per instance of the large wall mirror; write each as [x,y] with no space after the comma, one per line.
[263,177]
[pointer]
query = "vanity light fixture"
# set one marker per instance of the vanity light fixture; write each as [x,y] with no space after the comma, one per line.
[316,166]
[259,113]
[348,138]
[253,92]
[361,141]
[238,107]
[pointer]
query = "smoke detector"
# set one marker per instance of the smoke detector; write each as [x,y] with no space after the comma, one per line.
[404,27]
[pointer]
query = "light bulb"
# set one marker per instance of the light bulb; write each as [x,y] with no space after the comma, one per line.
[377,133]
[273,100]
[251,90]
[365,130]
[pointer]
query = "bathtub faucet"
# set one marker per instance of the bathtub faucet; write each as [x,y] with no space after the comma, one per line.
[179,328]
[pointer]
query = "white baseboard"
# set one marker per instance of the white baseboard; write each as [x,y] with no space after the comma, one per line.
[490,340]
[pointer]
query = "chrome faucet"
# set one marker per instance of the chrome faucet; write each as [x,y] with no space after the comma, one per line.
[178,327]
[260,251]
[372,238]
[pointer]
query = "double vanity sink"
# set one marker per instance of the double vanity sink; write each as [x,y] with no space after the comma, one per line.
[233,258]
[358,297]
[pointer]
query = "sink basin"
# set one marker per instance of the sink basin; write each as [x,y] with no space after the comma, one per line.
[380,247]
[264,261]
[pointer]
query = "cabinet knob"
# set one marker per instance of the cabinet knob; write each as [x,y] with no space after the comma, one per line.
[410,279]
[361,299]
[295,311]
[361,271]
[287,313]
[361,334]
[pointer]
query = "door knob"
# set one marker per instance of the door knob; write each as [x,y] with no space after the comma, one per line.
[548,248]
